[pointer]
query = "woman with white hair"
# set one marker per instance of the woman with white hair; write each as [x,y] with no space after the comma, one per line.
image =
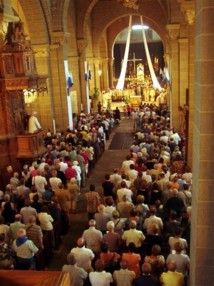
[112,238]
[25,250]
[78,170]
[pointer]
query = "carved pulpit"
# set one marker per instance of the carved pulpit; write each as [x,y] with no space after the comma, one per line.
[17,74]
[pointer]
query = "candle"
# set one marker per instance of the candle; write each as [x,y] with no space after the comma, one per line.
[54,126]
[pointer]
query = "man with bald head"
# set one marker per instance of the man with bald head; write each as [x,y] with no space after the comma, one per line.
[77,274]
[93,237]
[83,255]
[172,277]
[145,279]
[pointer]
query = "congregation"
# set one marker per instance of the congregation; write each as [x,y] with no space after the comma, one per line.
[138,230]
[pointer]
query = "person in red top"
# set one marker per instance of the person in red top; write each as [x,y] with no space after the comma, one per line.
[133,259]
[70,172]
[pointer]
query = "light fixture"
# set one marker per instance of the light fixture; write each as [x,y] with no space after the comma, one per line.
[139,27]
[131,4]
[36,86]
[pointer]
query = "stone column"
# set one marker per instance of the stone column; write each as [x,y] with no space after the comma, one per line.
[105,74]
[81,45]
[111,72]
[57,50]
[202,229]
[173,31]
[183,69]
[188,9]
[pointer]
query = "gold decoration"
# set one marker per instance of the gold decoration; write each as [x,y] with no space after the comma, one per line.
[131,4]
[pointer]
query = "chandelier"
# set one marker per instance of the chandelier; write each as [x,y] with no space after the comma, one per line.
[36,86]
[131,4]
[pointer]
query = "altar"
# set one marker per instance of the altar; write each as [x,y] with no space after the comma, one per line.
[135,100]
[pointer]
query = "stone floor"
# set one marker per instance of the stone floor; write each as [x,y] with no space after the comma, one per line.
[109,160]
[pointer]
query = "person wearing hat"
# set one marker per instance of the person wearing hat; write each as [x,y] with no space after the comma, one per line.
[33,123]
[25,250]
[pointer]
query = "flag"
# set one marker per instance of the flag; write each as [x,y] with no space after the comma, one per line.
[70,83]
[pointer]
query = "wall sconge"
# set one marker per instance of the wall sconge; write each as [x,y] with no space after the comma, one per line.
[99,72]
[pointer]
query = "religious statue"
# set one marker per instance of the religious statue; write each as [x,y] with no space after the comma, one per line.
[140,72]
[15,36]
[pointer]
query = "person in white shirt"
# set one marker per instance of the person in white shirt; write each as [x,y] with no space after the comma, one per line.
[133,235]
[54,181]
[83,255]
[126,164]
[132,173]
[148,223]
[124,191]
[100,277]
[46,223]
[116,177]
[33,123]
[25,250]
[40,182]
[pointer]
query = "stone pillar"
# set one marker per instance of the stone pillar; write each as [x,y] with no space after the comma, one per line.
[188,8]
[111,72]
[105,75]
[202,229]
[81,45]
[183,69]
[173,31]
[97,74]
[57,69]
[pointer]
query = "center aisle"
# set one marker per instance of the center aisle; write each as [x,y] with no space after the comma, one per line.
[121,137]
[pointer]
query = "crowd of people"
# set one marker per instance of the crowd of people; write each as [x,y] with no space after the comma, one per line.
[39,198]
[139,228]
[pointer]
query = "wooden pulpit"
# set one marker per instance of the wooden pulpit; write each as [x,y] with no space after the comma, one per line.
[30,146]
